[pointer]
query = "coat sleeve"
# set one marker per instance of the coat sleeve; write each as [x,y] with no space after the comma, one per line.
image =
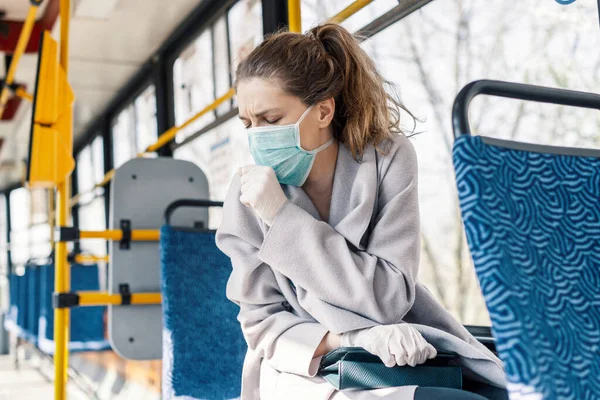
[378,283]
[286,341]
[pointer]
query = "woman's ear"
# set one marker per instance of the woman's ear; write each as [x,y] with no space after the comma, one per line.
[326,110]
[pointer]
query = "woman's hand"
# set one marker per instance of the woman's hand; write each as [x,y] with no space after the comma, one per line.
[261,191]
[395,344]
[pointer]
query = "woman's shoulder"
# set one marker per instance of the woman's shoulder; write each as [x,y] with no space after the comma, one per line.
[396,157]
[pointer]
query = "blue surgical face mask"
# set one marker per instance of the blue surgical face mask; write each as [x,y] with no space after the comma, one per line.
[279,147]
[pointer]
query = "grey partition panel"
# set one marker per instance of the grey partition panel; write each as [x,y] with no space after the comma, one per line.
[3,335]
[141,190]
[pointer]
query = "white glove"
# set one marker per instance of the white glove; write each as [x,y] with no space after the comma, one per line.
[261,191]
[395,344]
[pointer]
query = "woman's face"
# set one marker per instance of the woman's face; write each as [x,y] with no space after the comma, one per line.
[262,102]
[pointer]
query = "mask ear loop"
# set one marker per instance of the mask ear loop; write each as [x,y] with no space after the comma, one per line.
[297,127]
[318,149]
[322,147]
[304,114]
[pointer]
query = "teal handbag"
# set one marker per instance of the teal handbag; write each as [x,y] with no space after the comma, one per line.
[356,368]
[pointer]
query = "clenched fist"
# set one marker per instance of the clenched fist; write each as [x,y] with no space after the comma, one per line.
[261,191]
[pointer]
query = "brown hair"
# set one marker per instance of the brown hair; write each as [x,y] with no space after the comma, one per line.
[326,62]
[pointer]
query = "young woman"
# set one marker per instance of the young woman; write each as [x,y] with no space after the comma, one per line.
[323,233]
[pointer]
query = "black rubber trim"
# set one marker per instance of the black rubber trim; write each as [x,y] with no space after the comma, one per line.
[519,91]
[125,294]
[65,300]
[12,87]
[126,239]
[188,203]
[66,234]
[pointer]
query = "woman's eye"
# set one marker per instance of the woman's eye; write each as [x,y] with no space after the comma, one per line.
[268,121]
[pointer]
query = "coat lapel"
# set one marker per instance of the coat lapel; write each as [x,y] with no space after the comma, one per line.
[298,196]
[352,198]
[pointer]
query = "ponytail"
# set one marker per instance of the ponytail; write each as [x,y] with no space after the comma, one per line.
[327,62]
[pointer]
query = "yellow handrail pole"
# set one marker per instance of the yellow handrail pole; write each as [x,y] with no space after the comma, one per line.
[19,50]
[102,298]
[62,282]
[349,11]
[138,235]
[22,93]
[295,16]
[107,178]
[83,259]
[75,200]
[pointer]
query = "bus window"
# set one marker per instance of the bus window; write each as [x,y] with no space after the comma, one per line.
[134,128]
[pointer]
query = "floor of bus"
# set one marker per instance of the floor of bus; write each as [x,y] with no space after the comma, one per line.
[29,381]
[96,376]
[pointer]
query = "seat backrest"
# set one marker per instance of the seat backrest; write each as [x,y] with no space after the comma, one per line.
[87,323]
[33,301]
[14,296]
[532,221]
[22,309]
[203,347]
[15,319]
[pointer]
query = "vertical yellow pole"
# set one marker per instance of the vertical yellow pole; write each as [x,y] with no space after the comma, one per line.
[294,16]
[61,315]
[62,281]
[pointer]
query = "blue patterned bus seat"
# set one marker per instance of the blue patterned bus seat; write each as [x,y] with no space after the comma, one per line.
[533,226]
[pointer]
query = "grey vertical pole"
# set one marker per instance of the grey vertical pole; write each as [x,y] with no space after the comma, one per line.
[3,336]
[4,348]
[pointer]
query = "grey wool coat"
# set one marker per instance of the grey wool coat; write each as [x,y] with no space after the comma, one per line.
[302,277]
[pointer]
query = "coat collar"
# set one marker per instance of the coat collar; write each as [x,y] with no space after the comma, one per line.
[353,195]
